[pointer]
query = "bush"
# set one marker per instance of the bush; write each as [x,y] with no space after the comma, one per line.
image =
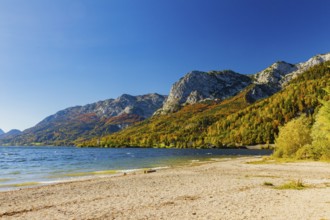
[321,131]
[308,152]
[292,137]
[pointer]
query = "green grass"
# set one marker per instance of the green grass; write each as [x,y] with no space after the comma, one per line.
[292,185]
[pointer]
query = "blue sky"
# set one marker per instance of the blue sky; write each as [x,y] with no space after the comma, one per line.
[57,54]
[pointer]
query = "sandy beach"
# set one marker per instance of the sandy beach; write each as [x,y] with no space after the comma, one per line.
[226,189]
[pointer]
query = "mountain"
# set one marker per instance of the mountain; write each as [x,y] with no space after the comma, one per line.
[1,131]
[301,67]
[10,134]
[203,109]
[197,86]
[252,116]
[91,120]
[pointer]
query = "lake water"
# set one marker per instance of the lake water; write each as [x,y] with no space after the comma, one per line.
[27,166]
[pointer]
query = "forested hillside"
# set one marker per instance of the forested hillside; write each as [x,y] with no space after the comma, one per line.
[232,122]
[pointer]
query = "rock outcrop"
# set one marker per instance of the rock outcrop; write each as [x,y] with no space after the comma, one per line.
[301,67]
[198,86]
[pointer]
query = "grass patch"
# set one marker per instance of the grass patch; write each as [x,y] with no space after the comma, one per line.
[268,184]
[294,185]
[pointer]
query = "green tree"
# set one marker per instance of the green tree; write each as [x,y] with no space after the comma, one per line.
[321,131]
[292,137]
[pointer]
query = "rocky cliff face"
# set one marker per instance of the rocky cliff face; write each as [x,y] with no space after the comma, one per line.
[301,67]
[274,74]
[198,86]
[278,75]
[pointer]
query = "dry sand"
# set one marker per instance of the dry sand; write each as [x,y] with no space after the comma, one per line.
[227,189]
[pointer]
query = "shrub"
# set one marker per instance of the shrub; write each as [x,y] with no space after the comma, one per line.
[293,136]
[321,131]
[294,184]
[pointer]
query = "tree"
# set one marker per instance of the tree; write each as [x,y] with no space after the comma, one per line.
[292,137]
[321,131]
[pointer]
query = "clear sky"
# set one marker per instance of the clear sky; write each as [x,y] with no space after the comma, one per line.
[57,54]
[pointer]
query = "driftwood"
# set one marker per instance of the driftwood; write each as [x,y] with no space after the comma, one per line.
[149,171]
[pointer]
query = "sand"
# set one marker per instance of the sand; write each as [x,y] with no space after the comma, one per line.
[226,189]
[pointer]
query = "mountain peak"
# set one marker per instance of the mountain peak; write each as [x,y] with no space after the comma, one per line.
[10,134]
[197,86]
[317,59]
[126,96]
[274,73]
[303,66]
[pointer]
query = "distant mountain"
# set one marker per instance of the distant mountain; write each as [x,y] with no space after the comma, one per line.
[10,134]
[96,119]
[1,131]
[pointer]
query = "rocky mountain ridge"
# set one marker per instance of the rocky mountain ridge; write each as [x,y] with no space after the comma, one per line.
[142,105]
[94,119]
[198,86]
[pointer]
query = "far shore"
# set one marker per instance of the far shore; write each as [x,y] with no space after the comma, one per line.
[229,188]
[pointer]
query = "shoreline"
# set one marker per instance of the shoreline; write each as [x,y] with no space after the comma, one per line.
[229,188]
[90,175]
[30,175]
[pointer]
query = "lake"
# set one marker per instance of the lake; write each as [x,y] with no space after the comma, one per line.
[28,166]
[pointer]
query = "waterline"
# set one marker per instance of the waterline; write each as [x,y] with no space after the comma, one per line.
[31,166]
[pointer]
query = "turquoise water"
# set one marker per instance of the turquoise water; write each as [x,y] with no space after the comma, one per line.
[27,166]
